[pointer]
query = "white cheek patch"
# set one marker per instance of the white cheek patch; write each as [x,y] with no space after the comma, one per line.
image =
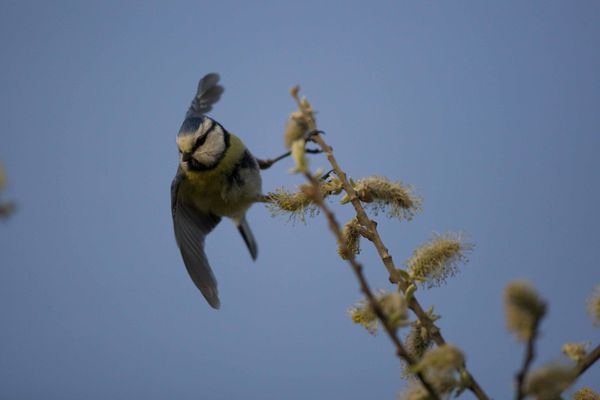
[204,126]
[212,149]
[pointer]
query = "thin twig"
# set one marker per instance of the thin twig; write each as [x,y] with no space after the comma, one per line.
[588,360]
[364,286]
[529,356]
[382,250]
[266,164]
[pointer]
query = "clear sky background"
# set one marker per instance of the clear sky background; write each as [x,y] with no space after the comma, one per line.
[490,109]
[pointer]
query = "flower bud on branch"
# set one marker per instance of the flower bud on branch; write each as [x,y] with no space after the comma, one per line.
[351,239]
[393,305]
[299,204]
[586,394]
[433,262]
[594,305]
[549,381]
[441,366]
[381,194]
[575,351]
[295,129]
[524,308]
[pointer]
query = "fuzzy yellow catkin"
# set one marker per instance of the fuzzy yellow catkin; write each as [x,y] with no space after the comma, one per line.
[549,380]
[418,340]
[443,385]
[437,260]
[414,391]
[298,155]
[442,359]
[381,194]
[295,129]
[575,351]
[363,315]
[440,366]
[307,110]
[350,245]
[593,305]
[586,393]
[393,305]
[330,186]
[523,308]
[298,204]
[286,201]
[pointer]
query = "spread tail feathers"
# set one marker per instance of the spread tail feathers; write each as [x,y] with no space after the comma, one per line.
[246,233]
[209,92]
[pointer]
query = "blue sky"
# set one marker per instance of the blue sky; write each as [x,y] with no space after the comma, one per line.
[490,109]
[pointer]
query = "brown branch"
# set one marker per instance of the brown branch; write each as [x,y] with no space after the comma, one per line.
[374,237]
[588,361]
[364,286]
[529,356]
[387,259]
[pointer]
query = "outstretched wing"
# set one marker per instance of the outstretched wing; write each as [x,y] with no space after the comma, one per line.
[191,227]
[208,93]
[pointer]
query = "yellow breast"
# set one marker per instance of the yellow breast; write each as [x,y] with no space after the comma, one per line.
[206,189]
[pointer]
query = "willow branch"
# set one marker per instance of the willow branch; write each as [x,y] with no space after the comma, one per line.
[357,268]
[529,356]
[387,259]
[382,250]
[588,361]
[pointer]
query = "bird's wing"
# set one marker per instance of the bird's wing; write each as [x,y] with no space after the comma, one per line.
[208,93]
[191,227]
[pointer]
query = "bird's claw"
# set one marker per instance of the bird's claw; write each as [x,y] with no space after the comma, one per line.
[326,175]
[311,134]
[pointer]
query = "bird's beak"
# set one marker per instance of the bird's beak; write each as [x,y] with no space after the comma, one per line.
[186,157]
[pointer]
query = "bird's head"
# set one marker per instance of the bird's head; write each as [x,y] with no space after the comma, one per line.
[202,143]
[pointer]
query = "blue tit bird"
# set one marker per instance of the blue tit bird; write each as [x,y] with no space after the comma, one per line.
[217,177]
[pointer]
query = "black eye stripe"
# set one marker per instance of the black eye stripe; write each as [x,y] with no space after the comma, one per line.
[200,141]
